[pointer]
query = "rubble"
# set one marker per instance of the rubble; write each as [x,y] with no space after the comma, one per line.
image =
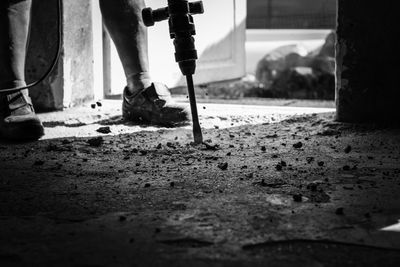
[339,211]
[104,130]
[298,145]
[223,166]
[138,183]
[39,163]
[95,142]
[309,159]
[297,198]
[347,149]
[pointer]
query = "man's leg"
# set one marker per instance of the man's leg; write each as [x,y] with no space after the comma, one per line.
[123,21]
[143,100]
[14,28]
[17,117]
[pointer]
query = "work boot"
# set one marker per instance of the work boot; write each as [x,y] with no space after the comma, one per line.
[154,105]
[18,121]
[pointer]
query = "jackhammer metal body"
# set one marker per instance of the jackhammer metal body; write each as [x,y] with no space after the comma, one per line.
[181,28]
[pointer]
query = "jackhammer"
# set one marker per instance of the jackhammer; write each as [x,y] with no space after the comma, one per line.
[181,29]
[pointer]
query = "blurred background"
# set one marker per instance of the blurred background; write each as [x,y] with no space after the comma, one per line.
[290,48]
[249,49]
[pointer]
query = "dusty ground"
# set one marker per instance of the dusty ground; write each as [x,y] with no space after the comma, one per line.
[323,189]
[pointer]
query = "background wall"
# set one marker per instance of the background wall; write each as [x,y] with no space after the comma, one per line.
[72,81]
[291,14]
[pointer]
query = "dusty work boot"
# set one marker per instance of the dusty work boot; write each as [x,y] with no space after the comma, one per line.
[154,105]
[18,121]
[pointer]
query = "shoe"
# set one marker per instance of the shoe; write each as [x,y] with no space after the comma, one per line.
[154,105]
[18,121]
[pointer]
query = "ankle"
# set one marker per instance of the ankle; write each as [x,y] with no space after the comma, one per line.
[138,82]
[12,84]
[24,92]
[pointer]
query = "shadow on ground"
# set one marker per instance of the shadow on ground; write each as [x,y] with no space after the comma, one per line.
[153,199]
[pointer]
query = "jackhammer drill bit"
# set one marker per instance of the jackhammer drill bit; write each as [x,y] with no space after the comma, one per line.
[181,27]
[198,136]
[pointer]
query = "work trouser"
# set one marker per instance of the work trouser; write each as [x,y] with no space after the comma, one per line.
[14,30]
[121,17]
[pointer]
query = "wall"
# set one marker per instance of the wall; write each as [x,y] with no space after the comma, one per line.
[72,81]
[368,59]
[291,14]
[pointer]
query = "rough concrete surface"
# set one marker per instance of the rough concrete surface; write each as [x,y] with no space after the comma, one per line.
[306,191]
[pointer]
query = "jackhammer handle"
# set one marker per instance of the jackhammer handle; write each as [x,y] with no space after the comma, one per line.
[150,16]
[196,7]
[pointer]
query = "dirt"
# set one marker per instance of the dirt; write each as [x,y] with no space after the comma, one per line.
[155,199]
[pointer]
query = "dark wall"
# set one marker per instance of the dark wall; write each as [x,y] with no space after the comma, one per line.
[71,83]
[367,52]
[42,48]
[291,14]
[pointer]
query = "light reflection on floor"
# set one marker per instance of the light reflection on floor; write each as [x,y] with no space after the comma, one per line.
[84,121]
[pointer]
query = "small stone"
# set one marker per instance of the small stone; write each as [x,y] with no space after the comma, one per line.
[66,142]
[297,198]
[122,218]
[39,163]
[104,130]
[171,145]
[347,149]
[212,147]
[312,186]
[159,146]
[346,168]
[250,175]
[223,166]
[298,145]
[147,185]
[339,211]
[95,142]
[93,106]
[263,148]
[99,104]
[321,163]
[172,184]
[309,159]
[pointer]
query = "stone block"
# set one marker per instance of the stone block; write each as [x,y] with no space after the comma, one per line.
[71,83]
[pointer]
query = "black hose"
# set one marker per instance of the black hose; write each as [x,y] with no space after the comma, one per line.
[55,60]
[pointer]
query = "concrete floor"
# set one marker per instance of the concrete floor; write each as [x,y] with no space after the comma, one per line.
[278,190]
